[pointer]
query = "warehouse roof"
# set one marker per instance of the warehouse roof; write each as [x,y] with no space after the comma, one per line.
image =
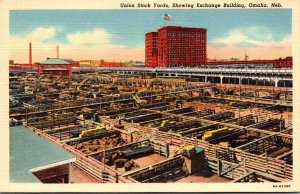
[55,61]
[29,151]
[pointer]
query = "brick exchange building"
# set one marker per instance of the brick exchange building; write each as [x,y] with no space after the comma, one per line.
[175,46]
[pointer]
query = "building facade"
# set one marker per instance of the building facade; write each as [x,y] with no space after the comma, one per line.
[111,63]
[22,67]
[283,63]
[151,51]
[89,63]
[56,67]
[74,63]
[176,46]
[271,63]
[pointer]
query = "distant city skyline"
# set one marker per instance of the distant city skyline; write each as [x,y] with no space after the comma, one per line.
[119,35]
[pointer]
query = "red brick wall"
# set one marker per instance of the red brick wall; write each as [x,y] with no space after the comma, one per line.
[175,46]
[151,50]
[21,67]
[42,67]
[283,63]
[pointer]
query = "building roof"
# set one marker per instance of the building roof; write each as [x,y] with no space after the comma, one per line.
[151,33]
[29,151]
[54,61]
[182,28]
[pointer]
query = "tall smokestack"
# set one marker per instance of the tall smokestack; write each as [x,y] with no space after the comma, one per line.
[57,51]
[30,54]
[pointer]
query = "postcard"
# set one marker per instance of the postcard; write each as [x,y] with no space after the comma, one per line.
[156,96]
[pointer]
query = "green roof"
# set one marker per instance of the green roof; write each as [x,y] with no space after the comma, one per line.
[28,151]
[55,61]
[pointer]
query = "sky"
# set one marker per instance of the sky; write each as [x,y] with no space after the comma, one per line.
[119,35]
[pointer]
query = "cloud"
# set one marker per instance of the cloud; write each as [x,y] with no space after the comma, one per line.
[42,44]
[94,44]
[108,53]
[97,37]
[98,44]
[258,41]
[253,52]
[38,35]
[250,37]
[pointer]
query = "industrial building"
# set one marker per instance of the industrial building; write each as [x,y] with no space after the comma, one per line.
[286,63]
[55,66]
[152,56]
[104,63]
[283,62]
[175,46]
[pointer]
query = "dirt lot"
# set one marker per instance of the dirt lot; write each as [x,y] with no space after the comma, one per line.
[203,177]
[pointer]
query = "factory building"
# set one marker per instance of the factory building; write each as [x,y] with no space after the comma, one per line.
[176,46]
